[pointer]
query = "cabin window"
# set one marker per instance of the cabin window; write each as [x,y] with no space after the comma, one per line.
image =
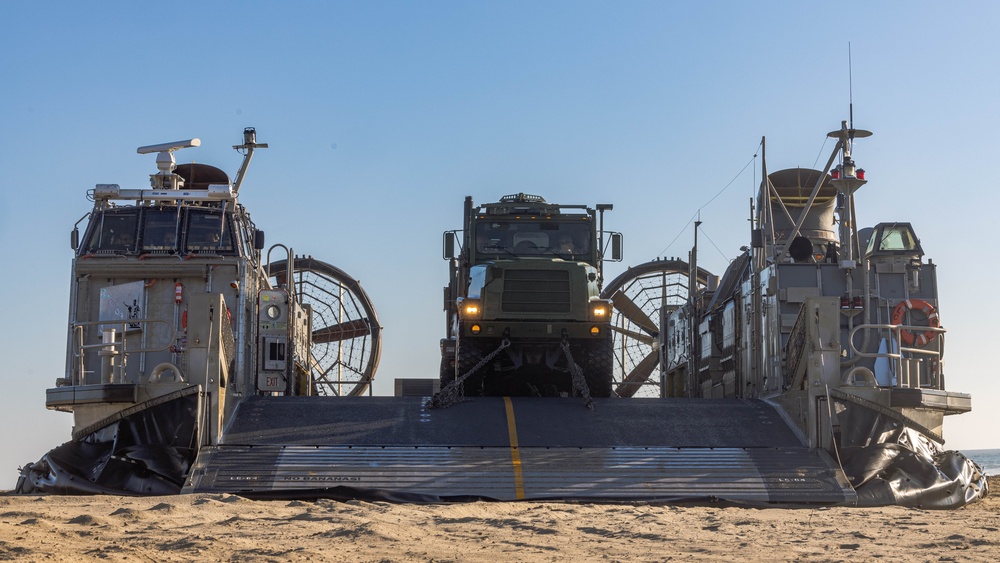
[113,232]
[893,238]
[208,232]
[159,230]
[535,238]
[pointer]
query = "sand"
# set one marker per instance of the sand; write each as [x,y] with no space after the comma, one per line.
[213,527]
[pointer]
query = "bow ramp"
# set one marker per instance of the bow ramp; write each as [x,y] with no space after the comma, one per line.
[634,450]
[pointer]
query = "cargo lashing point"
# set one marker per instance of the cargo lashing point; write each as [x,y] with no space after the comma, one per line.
[579,381]
[454,393]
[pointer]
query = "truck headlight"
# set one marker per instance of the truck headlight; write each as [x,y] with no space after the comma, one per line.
[600,311]
[470,309]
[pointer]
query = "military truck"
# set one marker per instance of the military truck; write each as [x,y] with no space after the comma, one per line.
[524,313]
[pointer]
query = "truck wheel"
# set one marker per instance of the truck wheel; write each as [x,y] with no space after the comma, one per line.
[447,370]
[598,368]
[470,353]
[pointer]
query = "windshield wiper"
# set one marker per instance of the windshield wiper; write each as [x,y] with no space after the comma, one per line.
[562,255]
[499,248]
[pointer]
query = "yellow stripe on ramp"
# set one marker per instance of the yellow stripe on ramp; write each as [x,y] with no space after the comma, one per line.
[515,454]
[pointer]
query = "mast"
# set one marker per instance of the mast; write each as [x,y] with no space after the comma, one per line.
[847,178]
[249,144]
[692,327]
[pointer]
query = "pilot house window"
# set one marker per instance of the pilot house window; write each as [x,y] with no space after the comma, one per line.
[117,231]
[114,232]
[159,232]
[893,237]
[208,232]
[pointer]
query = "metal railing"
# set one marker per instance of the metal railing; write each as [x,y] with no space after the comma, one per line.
[110,348]
[915,368]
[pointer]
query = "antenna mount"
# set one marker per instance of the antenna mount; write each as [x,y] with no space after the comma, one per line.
[249,144]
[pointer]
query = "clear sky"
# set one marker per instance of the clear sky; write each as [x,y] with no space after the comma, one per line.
[381,117]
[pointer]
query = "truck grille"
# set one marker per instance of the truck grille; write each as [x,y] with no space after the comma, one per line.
[536,291]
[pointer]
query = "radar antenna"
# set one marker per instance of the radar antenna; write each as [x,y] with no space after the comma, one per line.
[165,179]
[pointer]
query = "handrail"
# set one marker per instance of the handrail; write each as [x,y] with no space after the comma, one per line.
[80,348]
[897,329]
[901,364]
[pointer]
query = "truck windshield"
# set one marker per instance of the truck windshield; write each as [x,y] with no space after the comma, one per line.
[562,239]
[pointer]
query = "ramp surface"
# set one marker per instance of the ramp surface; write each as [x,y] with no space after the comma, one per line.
[517,448]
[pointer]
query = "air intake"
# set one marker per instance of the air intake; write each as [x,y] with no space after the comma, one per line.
[536,291]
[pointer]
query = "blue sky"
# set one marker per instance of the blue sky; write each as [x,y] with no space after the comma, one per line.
[382,116]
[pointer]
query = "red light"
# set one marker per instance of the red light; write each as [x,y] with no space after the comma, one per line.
[861,173]
[835,173]
[845,302]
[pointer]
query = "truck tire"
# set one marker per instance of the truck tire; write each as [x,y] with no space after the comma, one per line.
[470,353]
[447,370]
[598,367]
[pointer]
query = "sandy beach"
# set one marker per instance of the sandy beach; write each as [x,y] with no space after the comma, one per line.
[209,527]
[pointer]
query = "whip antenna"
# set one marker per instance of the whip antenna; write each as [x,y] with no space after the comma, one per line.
[850,84]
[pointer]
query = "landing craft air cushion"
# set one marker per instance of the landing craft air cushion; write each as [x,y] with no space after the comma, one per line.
[196,364]
[177,317]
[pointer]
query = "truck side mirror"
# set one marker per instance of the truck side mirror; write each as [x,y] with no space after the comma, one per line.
[616,246]
[449,245]
[74,239]
[258,240]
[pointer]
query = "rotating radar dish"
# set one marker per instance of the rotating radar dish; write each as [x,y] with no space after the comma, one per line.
[641,296]
[346,335]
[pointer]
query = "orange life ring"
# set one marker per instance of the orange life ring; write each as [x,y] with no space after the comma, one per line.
[926,308]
